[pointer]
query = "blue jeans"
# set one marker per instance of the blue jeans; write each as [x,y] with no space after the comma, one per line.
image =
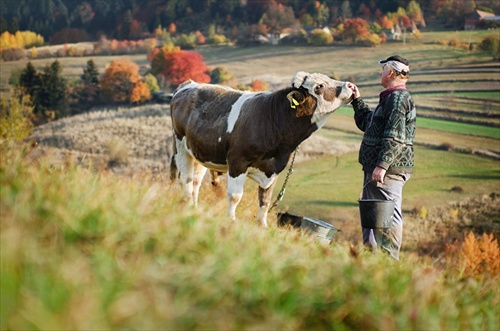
[388,239]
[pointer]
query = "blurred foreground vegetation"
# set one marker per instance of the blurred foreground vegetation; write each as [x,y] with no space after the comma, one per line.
[84,249]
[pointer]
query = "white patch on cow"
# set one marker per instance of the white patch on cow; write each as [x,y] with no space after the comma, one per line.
[325,108]
[236,109]
[187,86]
[219,140]
[235,186]
[260,178]
[185,164]
[262,215]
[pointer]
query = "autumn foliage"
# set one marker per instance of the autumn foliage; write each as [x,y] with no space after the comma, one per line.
[177,66]
[356,29]
[20,39]
[184,65]
[122,83]
[481,255]
[476,255]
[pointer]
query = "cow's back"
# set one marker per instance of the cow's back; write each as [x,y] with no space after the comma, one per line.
[200,114]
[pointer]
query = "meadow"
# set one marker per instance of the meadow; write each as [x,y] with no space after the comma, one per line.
[84,247]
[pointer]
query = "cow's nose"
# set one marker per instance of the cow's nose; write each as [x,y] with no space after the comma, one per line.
[339,90]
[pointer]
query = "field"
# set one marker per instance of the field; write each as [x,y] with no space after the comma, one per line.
[93,236]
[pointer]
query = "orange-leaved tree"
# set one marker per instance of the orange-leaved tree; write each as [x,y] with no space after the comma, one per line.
[183,65]
[177,66]
[356,29]
[122,83]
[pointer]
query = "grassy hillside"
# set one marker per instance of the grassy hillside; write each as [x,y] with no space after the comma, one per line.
[93,236]
[86,250]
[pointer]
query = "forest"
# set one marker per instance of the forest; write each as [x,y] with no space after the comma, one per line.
[168,31]
[60,21]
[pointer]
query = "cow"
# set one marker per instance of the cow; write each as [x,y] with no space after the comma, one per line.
[247,134]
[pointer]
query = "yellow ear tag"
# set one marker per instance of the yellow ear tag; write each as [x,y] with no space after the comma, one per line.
[295,103]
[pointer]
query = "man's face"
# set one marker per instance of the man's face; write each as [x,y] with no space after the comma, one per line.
[386,75]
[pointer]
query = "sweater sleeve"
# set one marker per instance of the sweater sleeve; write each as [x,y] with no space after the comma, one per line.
[362,113]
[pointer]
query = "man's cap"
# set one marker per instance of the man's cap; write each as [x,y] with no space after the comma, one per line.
[396,58]
[398,63]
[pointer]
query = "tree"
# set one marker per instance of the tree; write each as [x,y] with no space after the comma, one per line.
[52,92]
[356,29]
[322,13]
[157,57]
[183,65]
[345,10]
[29,79]
[278,16]
[220,75]
[491,45]
[152,83]
[415,13]
[140,93]
[119,80]
[89,92]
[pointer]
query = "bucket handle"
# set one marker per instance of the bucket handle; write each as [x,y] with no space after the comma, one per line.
[361,193]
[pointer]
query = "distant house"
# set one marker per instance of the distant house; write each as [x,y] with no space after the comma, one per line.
[477,16]
[396,32]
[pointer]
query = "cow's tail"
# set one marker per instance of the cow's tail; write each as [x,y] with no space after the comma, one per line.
[174,171]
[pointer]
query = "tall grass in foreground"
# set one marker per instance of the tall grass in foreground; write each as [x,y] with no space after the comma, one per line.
[82,250]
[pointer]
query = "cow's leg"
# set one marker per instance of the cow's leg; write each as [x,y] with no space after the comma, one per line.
[185,164]
[214,175]
[265,197]
[198,173]
[235,186]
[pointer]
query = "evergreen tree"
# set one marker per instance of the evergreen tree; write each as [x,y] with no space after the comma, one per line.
[89,94]
[126,24]
[3,25]
[52,100]
[13,25]
[345,10]
[29,80]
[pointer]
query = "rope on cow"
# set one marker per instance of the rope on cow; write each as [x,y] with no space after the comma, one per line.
[282,191]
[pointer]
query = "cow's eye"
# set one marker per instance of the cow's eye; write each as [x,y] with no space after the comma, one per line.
[318,88]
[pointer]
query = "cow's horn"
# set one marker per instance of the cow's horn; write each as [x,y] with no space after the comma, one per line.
[299,79]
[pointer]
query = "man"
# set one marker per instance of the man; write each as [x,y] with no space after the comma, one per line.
[386,152]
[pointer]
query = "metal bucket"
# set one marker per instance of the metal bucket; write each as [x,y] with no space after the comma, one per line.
[376,214]
[323,231]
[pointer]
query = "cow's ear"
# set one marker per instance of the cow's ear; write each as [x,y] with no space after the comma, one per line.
[298,79]
[303,104]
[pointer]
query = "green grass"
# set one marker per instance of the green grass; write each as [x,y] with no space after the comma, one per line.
[328,188]
[443,125]
[462,128]
[86,250]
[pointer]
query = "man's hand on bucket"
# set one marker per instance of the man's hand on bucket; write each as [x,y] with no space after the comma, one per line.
[378,175]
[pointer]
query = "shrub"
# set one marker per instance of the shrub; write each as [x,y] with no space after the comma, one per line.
[455,42]
[491,45]
[480,255]
[216,39]
[318,37]
[220,75]
[13,54]
[15,117]
[257,85]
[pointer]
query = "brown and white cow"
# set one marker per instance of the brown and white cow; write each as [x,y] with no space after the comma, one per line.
[247,134]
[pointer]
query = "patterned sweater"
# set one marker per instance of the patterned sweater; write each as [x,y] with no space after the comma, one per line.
[389,132]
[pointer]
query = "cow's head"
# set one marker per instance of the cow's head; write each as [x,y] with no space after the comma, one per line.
[318,95]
